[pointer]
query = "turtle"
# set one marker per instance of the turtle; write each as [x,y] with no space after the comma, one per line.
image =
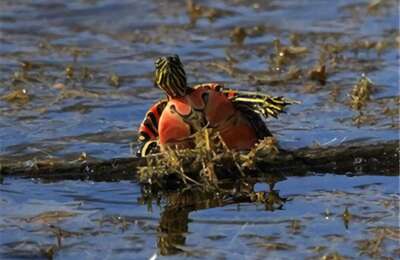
[236,115]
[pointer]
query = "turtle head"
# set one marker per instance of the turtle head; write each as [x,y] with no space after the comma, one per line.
[170,76]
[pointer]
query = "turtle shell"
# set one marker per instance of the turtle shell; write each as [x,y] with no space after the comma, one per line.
[206,106]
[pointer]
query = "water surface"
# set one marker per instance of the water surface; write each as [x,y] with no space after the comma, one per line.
[74,48]
[115,221]
[76,76]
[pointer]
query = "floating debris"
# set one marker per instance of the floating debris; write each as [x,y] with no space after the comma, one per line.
[372,247]
[295,227]
[334,256]
[333,48]
[196,11]
[61,234]
[17,96]
[361,93]
[359,97]
[225,67]
[376,7]
[335,93]
[398,41]
[274,201]
[59,85]
[76,53]
[318,73]
[381,46]
[393,113]
[26,65]
[276,246]
[86,74]
[51,216]
[18,77]
[312,88]
[295,50]
[256,31]
[346,216]
[285,54]
[69,72]
[293,73]
[49,251]
[238,35]
[276,77]
[292,51]
[114,80]
[294,39]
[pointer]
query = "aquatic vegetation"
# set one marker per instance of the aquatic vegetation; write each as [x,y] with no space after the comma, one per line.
[210,161]
[17,96]
[361,93]
[393,114]
[376,7]
[238,35]
[86,74]
[334,256]
[266,150]
[51,216]
[196,11]
[374,247]
[114,80]
[283,55]
[318,73]
[346,217]
[69,72]
[359,97]
[295,227]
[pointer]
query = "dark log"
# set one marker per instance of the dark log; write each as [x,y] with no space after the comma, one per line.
[378,159]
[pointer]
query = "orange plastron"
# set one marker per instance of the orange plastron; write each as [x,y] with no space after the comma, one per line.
[204,106]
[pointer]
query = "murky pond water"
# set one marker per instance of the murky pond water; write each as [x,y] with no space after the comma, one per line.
[76,76]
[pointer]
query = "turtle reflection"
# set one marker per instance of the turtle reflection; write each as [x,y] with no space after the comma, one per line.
[173,225]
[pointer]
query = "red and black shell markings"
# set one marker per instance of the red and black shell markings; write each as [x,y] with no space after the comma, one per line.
[191,116]
[148,129]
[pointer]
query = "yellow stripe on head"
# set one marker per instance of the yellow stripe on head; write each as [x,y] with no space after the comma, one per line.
[170,76]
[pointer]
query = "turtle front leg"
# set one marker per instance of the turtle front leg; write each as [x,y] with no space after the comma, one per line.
[149,147]
[263,104]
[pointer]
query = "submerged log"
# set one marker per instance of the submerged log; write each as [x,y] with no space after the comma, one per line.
[379,158]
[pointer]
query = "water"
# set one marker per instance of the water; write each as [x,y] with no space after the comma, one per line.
[124,38]
[111,220]
[71,106]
